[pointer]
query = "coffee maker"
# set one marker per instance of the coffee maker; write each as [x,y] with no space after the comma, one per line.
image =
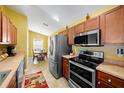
[11,50]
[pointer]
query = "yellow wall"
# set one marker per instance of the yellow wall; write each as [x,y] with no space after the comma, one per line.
[20,21]
[32,36]
[109,50]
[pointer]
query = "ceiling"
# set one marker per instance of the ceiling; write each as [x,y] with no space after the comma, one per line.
[41,17]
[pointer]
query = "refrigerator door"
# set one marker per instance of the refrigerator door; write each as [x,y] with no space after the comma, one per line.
[53,67]
[52,48]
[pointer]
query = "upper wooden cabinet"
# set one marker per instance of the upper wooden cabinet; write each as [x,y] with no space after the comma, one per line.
[13,34]
[102,28]
[65,33]
[0,26]
[79,28]
[71,36]
[8,32]
[4,28]
[114,25]
[92,24]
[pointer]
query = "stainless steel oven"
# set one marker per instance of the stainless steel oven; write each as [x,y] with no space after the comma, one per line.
[81,76]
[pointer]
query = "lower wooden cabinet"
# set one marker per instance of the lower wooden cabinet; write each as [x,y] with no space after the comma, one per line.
[102,84]
[12,83]
[105,80]
[65,67]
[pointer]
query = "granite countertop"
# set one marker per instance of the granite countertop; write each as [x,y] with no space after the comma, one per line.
[10,64]
[69,56]
[113,68]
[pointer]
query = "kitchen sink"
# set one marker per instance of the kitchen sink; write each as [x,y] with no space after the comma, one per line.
[3,75]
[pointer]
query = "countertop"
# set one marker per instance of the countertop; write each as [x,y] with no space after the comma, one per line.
[113,68]
[11,63]
[69,56]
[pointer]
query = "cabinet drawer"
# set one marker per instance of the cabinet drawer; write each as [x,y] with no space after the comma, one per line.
[102,84]
[116,82]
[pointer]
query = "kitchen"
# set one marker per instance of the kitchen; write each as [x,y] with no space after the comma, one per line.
[85,54]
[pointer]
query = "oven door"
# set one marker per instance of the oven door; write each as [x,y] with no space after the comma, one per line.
[81,76]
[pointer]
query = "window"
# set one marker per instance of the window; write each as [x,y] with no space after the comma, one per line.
[37,44]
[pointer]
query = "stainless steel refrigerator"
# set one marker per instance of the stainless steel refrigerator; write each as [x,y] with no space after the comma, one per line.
[58,46]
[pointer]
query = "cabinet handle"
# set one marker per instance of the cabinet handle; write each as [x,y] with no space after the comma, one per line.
[109,80]
[99,82]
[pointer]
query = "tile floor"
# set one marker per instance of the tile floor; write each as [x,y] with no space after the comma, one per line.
[43,66]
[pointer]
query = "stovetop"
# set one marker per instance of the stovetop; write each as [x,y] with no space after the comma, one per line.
[88,60]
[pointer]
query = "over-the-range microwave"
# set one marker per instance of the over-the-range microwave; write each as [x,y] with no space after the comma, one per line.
[89,38]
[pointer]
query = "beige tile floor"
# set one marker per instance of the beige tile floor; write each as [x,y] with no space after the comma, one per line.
[43,66]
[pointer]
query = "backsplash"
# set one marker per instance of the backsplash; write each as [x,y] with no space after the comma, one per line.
[110,51]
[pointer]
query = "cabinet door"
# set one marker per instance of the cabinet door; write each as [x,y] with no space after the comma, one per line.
[102,28]
[71,36]
[14,35]
[79,28]
[4,28]
[92,24]
[65,68]
[9,35]
[64,33]
[114,26]
[0,27]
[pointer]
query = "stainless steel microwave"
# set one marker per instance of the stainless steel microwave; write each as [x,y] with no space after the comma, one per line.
[92,37]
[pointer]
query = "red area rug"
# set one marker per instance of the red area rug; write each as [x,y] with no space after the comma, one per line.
[35,80]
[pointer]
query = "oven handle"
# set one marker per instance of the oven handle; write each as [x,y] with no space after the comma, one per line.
[82,66]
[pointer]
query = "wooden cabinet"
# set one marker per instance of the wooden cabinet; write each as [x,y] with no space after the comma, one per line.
[114,26]
[102,84]
[71,36]
[79,28]
[65,67]
[12,83]
[13,39]
[4,28]
[102,28]
[65,33]
[0,27]
[106,80]
[92,24]
[8,32]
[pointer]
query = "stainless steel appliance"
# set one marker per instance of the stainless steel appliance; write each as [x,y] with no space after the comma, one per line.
[82,69]
[88,38]
[57,47]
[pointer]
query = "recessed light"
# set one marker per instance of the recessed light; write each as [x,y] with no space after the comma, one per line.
[56,18]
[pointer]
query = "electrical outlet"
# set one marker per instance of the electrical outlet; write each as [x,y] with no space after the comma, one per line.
[120,52]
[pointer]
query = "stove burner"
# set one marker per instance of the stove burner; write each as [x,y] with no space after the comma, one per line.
[91,62]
